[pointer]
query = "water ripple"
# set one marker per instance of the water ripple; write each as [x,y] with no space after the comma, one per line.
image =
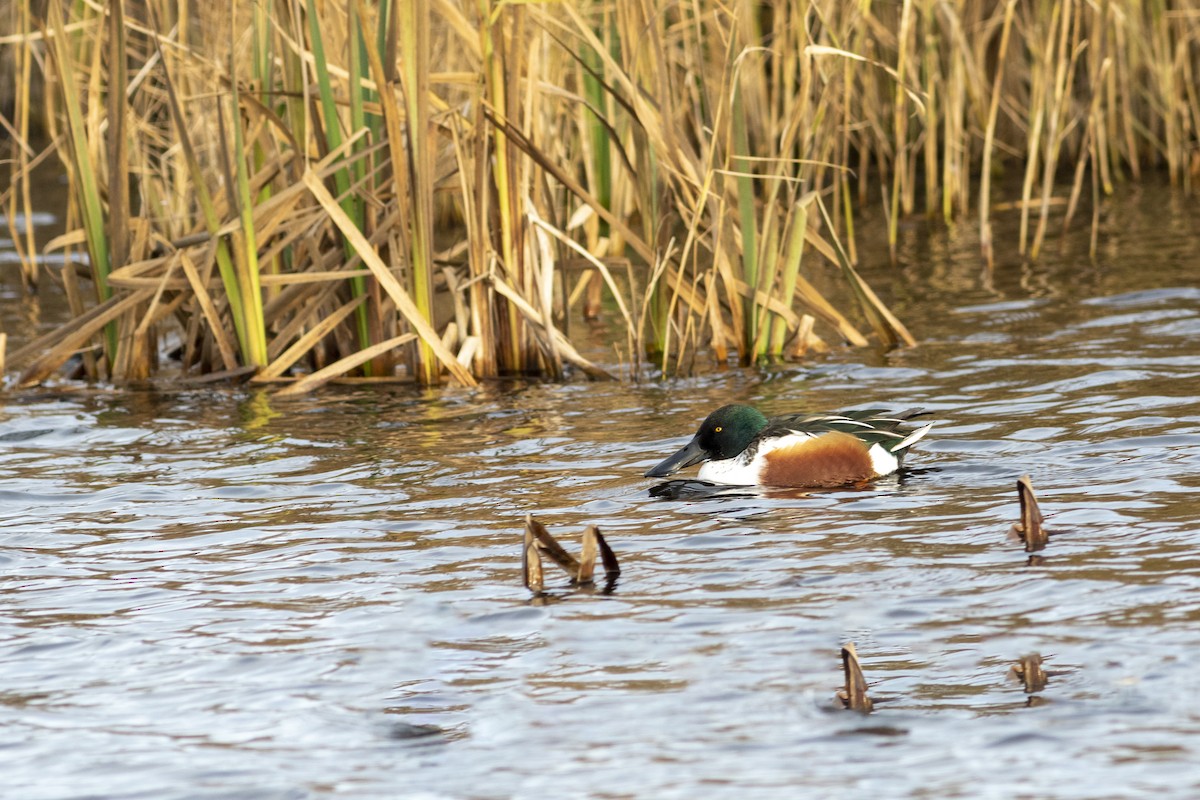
[230,603]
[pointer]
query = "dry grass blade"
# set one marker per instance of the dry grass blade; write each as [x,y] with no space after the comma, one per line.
[591,259]
[209,310]
[550,546]
[521,141]
[901,183]
[587,556]
[310,339]
[291,279]
[566,349]
[344,365]
[593,545]
[816,302]
[1030,529]
[306,303]
[823,50]
[854,689]
[136,355]
[198,187]
[74,336]
[19,195]
[612,570]
[387,280]
[531,561]
[146,275]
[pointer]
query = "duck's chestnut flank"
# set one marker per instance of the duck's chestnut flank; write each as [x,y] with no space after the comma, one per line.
[831,459]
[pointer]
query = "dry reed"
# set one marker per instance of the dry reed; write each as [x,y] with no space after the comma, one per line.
[301,190]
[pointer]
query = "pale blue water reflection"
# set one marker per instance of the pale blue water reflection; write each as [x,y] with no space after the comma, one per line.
[211,593]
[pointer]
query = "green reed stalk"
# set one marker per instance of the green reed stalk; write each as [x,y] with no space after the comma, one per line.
[332,122]
[659,308]
[249,281]
[597,133]
[748,219]
[383,24]
[260,41]
[86,184]
[263,73]
[792,257]
[359,72]
[293,73]
[599,151]
[332,128]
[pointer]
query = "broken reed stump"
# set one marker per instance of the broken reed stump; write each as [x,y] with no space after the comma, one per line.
[854,691]
[1030,529]
[1033,675]
[538,541]
[1029,671]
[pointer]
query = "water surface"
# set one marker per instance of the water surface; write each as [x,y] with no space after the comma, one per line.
[214,593]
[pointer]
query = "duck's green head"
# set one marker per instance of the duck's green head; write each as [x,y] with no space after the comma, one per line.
[725,433]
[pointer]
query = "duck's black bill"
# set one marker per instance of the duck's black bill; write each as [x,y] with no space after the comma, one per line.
[692,453]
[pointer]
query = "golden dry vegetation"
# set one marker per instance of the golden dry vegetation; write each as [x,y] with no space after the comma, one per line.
[302,190]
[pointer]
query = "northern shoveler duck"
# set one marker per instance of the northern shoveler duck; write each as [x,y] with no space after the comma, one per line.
[740,446]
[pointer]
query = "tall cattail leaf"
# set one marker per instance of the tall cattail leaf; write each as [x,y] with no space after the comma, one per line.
[252,307]
[82,168]
[792,256]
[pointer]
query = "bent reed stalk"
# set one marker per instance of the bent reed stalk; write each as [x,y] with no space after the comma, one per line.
[299,191]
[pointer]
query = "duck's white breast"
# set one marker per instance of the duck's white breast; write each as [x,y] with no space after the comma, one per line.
[747,471]
[734,471]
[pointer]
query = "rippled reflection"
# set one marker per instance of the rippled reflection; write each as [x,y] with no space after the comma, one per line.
[216,594]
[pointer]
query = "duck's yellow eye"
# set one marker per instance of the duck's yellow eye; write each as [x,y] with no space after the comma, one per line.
[717,429]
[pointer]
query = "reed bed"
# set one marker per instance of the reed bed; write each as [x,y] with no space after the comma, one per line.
[296,191]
